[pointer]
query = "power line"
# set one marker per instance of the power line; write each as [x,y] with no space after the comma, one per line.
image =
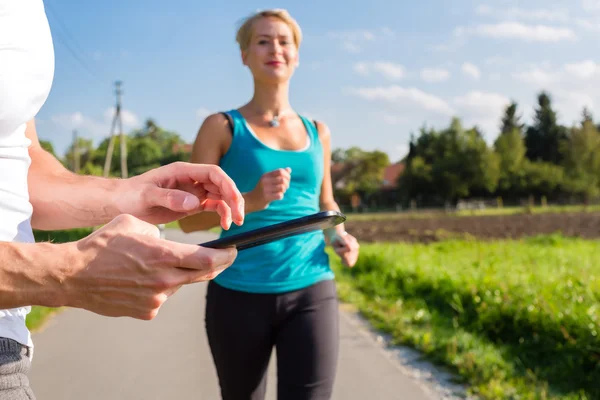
[73,52]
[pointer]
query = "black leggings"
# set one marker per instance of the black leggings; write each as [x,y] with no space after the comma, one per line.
[242,329]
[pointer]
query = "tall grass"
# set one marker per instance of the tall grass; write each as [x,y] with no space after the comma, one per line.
[516,319]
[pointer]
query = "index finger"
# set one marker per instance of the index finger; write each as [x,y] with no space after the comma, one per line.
[213,174]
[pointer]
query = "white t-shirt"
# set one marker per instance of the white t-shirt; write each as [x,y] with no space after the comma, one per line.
[26,74]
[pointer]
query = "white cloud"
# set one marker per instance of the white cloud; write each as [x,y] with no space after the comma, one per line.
[584,69]
[432,75]
[542,76]
[588,25]
[402,149]
[351,47]
[519,31]
[130,120]
[539,14]
[386,31]
[483,109]
[361,68]
[406,97]
[536,76]
[202,113]
[353,41]
[571,103]
[70,121]
[390,118]
[389,70]
[481,103]
[484,9]
[453,43]
[591,5]
[91,127]
[571,86]
[471,70]
[496,60]
[86,126]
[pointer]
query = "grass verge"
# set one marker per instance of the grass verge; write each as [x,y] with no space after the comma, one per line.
[513,319]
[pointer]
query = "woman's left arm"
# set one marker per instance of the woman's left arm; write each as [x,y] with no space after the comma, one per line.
[345,245]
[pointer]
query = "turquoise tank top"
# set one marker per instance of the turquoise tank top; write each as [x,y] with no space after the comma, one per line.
[286,264]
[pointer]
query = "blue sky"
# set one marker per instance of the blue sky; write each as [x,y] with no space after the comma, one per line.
[374,71]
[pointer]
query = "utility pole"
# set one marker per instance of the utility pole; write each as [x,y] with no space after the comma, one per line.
[75,152]
[111,144]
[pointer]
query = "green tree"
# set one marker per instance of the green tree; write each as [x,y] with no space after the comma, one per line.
[168,141]
[363,169]
[143,155]
[99,155]
[338,155]
[46,145]
[447,165]
[510,148]
[511,121]
[545,138]
[465,165]
[85,149]
[541,178]
[582,158]
[90,168]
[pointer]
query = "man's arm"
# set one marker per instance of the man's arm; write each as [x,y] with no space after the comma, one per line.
[62,199]
[30,274]
[122,269]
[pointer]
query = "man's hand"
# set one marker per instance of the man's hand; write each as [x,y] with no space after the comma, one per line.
[180,189]
[124,269]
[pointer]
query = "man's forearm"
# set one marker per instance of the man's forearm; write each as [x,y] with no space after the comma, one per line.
[31,274]
[64,200]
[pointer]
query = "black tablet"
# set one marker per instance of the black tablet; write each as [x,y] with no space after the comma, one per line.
[319,221]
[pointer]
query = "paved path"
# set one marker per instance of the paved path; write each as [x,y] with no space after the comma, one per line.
[81,355]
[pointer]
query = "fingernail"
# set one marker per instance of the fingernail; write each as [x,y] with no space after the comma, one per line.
[190,203]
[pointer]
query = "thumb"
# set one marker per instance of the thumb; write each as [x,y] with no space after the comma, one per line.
[174,200]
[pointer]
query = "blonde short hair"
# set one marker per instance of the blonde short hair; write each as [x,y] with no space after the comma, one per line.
[244,33]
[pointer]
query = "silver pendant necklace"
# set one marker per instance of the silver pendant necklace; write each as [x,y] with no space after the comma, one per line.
[274,123]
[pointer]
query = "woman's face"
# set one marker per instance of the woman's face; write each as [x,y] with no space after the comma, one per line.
[272,55]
